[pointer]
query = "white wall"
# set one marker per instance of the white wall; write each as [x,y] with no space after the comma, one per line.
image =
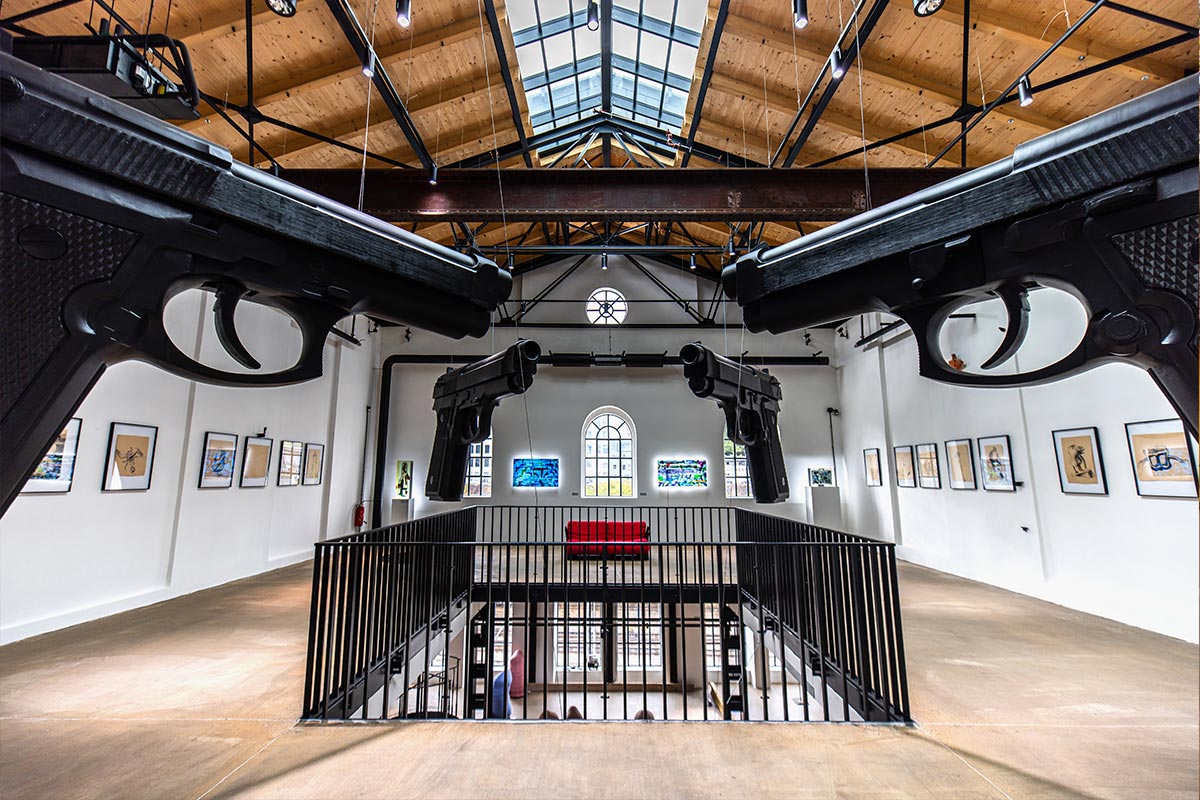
[67,558]
[670,421]
[1133,559]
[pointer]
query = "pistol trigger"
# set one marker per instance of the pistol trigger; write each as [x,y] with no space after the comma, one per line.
[229,294]
[1016,303]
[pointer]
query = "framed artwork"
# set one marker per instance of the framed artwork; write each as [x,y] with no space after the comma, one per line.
[217,460]
[906,475]
[1080,465]
[1164,464]
[929,472]
[314,459]
[541,473]
[404,480]
[682,473]
[56,470]
[871,467]
[820,476]
[291,458]
[256,461]
[960,463]
[130,459]
[995,464]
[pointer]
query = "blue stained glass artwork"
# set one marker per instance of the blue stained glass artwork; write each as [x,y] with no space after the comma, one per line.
[535,472]
[683,473]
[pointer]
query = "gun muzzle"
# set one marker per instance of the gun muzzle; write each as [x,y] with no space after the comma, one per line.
[695,357]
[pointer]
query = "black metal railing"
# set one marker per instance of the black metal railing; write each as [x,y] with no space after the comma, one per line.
[703,613]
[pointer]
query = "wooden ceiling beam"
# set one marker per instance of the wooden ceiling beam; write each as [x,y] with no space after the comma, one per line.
[425,106]
[1033,34]
[756,34]
[349,67]
[786,105]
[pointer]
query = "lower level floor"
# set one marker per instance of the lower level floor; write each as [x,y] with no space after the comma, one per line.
[198,697]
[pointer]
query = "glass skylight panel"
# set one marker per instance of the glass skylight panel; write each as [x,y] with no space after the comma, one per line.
[655,46]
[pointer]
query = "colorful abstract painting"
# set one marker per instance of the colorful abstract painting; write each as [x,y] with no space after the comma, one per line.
[541,473]
[682,473]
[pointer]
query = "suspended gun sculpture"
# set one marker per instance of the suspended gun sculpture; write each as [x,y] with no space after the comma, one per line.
[107,213]
[1105,209]
[750,399]
[464,400]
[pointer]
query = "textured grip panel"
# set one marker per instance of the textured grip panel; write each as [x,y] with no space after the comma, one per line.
[34,288]
[1164,256]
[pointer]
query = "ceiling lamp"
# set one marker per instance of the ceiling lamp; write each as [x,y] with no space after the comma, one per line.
[369,67]
[433,175]
[1025,91]
[923,8]
[284,8]
[692,262]
[404,13]
[604,261]
[593,15]
[800,13]
[835,63]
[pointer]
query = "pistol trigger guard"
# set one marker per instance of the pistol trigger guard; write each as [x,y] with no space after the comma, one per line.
[229,293]
[1016,304]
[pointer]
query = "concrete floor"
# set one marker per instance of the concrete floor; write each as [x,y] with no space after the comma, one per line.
[197,697]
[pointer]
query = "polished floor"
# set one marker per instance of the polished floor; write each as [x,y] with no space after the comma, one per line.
[197,697]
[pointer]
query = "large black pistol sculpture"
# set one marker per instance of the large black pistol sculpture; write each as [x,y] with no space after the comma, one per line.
[750,399]
[464,400]
[1105,209]
[106,213]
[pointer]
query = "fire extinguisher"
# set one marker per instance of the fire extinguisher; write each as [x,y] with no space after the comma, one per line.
[360,515]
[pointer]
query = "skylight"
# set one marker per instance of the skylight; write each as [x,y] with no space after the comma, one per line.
[655,43]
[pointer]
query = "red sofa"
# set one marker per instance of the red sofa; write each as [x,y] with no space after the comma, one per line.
[585,538]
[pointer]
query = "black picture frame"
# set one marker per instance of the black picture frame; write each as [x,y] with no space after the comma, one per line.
[867,468]
[1101,471]
[1137,484]
[912,460]
[937,467]
[108,457]
[970,465]
[245,460]
[72,432]
[283,447]
[310,447]
[1012,475]
[208,435]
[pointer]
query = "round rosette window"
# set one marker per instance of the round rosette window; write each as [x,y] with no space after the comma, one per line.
[606,307]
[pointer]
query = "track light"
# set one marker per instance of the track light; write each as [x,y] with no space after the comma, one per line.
[433,175]
[835,63]
[800,14]
[1025,91]
[604,261]
[692,262]
[593,15]
[369,67]
[284,8]
[923,8]
[731,252]
[404,13]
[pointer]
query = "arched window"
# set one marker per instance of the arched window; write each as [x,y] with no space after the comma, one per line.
[609,454]
[478,482]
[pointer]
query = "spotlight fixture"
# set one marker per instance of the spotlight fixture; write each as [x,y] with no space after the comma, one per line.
[731,252]
[604,261]
[1025,91]
[404,13]
[835,63]
[923,8]
[433,175]
[369,67]
[692,262]
[284,8]
[593,15]
[800,14]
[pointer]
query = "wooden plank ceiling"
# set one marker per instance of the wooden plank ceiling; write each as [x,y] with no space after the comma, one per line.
[446,71]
